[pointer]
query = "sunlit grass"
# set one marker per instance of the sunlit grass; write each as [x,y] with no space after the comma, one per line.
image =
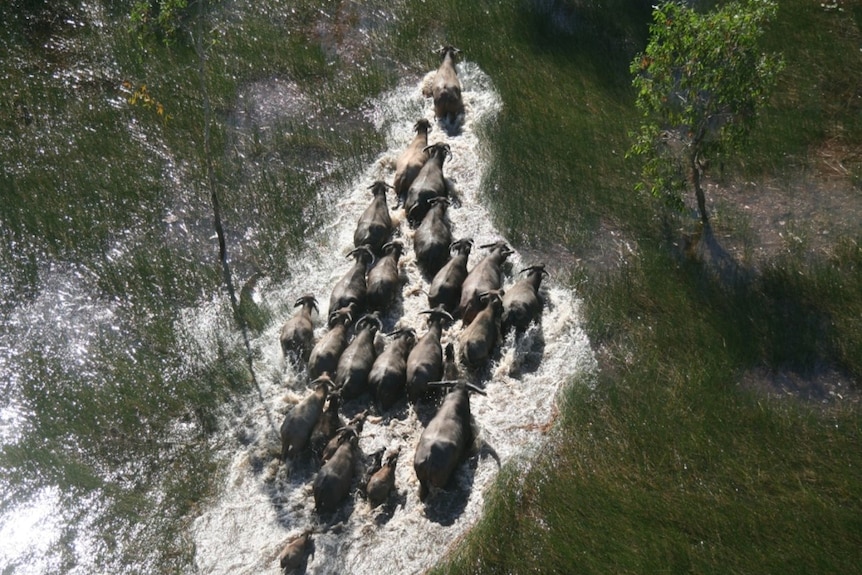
[670,464]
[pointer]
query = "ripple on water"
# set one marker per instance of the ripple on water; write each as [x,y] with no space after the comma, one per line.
[261,504]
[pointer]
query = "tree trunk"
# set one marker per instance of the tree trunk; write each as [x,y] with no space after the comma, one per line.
[698,189]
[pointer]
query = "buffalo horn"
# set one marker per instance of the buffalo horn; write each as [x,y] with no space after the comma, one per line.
[343,312]
[438,311]
[364,247]
[540,267]
[391,244]
[305,298]
[400,331]
[370,318]
[472,387]
[443,383]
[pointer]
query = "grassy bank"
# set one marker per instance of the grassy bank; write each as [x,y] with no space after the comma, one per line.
[676,461]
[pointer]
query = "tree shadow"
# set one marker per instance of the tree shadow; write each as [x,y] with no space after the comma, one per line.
[703,246]
[601,37]
[777,317]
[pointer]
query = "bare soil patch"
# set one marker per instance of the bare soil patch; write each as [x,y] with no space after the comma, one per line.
[757,222]
[827,387]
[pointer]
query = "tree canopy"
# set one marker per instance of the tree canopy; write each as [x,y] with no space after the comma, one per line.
[700,83]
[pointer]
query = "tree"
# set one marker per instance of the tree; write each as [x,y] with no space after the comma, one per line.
[700,83]
[161,18]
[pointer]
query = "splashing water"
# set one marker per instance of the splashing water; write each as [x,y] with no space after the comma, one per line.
[262,504]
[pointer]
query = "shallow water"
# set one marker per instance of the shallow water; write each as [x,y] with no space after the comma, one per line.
[122,391]
[261,503]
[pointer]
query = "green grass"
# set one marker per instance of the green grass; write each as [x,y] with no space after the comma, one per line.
[670,465]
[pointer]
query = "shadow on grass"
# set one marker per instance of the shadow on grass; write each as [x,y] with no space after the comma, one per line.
[783,316]
[604,36]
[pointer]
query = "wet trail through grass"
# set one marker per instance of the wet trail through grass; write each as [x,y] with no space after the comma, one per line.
[262,503]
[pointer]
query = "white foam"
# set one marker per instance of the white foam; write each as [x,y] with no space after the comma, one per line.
[256,511]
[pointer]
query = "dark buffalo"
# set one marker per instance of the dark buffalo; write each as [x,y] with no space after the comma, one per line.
[486,276]
[388,375]
[300,421]
[433,237]
[351,288]
[429,184]
[445,288]
[410,162]
[325,354]
[425,362]
[328,424]
[476,341]
[446,88]
[375,225]
[297,333]
[522,303]
[384,280]
[443,445]
[332,483]
[382,481]
[353,428]
[295,552]
[355,363]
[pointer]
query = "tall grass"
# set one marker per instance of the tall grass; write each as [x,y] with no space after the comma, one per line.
[671,464]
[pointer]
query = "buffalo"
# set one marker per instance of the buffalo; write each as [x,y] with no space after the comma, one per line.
[388,375]
[411,160]
[425,362]
[324,356]
[445,288]
[476,342]
[486,276]
[446,88]
[383,281]
[297,334]
[522,302]
[300,421]
[327,425]
[443,445]
[375,225]
[295,552]
[382,481]
[332,483]
[429,184]
[355,362]
[433,237]
[351,288]
[353,428]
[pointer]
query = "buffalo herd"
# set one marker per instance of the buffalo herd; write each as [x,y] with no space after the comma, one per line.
[344,365]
